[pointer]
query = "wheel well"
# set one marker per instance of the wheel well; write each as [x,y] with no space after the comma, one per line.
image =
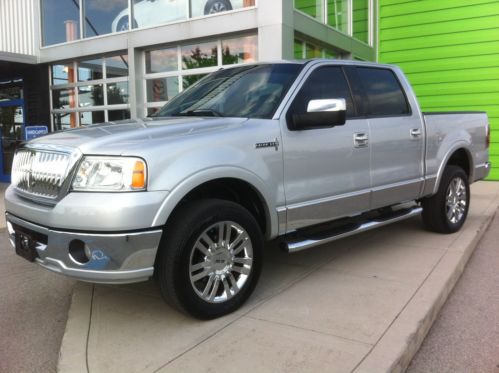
[461,158]
[233,190]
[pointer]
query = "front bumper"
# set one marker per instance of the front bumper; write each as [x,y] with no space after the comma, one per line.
[113,258]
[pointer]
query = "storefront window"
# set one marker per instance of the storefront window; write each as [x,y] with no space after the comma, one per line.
[62,74]
[313,51]
[91,117]
[91,95]
[314,8]
[90,70]
[117,93]
[104,17]
[199,55]
[162,89]
[102,88]
[161,60]
[151,13]
[298,49]
[117,66]
[118,115]
[11,90]
[361,20]
[306,50]
[189,80]
[60,20]
[62,121]
[164,78]
[63,98]
[239,50]
[337,14]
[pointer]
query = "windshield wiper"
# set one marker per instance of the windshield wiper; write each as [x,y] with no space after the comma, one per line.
[201,113]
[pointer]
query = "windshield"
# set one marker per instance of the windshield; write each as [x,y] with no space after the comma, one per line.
[253,91]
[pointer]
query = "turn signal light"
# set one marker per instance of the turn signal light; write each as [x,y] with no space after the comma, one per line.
[139,176]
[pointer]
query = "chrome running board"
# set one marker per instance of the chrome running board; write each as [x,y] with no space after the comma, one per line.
[299,242]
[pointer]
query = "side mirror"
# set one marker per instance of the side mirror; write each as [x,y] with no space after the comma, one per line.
[321,114]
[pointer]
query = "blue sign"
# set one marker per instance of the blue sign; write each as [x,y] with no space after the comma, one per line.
[32,132]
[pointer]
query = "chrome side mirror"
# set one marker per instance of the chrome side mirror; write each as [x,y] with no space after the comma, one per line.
[323,113]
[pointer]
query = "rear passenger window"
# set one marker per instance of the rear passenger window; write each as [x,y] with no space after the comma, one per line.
[324,83]
[383,91]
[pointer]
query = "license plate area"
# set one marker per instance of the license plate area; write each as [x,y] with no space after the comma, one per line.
[25,246]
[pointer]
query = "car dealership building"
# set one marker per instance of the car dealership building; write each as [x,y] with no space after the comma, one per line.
[70,63]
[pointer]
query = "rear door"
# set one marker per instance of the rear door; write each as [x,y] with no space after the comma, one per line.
[326,170]
[396,137]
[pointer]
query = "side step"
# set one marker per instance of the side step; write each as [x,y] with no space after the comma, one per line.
[298,242]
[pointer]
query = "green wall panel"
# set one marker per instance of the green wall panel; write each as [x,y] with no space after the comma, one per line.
[449,50]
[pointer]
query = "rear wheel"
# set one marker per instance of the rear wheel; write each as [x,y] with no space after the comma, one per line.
[210,259]
[446,211]
[217,6]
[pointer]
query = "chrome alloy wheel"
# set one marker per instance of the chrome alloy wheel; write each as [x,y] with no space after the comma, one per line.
[456,200]
[217,8]
[220,262]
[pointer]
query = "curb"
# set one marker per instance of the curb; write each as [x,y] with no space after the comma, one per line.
[396,349]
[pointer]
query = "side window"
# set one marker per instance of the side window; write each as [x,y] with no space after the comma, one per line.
[383,91]
[325,82]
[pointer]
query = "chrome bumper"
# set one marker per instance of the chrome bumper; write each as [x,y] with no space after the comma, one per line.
[112,258]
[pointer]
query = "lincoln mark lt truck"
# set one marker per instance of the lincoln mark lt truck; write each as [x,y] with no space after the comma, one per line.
[303,152]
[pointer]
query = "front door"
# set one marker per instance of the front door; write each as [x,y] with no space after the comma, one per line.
[326,170]
[11,126]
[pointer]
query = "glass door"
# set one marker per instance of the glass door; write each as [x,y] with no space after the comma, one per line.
[11,129]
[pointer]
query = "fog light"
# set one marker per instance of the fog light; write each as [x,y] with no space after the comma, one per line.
[79,251]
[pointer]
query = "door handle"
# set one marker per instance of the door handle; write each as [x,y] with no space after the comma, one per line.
[360,140]
[415,133]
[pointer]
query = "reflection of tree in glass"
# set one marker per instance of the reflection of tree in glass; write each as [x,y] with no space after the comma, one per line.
[115,95]
[196,60]
[228,58]
[97,95]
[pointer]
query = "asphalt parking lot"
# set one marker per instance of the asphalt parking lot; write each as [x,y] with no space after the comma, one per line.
[33,312]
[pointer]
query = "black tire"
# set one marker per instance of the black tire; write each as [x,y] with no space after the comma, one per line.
[178,249]
[123,24]
[217,6]
[436,207]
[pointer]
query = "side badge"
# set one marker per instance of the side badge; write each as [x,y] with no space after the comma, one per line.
[270,144]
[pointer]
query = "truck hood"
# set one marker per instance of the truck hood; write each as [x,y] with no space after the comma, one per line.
[125,137]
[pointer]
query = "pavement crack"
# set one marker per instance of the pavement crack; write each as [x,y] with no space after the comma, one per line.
[89,328]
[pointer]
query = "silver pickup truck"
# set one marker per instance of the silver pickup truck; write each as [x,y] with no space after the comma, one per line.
[306,152]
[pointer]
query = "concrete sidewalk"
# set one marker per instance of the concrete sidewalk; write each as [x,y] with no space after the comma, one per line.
[362,304]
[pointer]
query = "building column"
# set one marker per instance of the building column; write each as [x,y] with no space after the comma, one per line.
[275,30]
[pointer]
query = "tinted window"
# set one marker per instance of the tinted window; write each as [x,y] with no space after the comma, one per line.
[250,91]
[324,83]
[384,92]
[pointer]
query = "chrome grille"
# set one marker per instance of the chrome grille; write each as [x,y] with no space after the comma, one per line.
[40,173]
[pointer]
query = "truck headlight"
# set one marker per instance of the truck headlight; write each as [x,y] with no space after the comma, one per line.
[111,174]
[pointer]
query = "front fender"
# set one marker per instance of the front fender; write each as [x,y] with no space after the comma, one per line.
[193,181]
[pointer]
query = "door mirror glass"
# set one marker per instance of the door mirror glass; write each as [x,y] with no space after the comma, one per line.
[321,113]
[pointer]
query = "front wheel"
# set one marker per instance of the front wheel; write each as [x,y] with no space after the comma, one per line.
[210,258]
[446,211]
